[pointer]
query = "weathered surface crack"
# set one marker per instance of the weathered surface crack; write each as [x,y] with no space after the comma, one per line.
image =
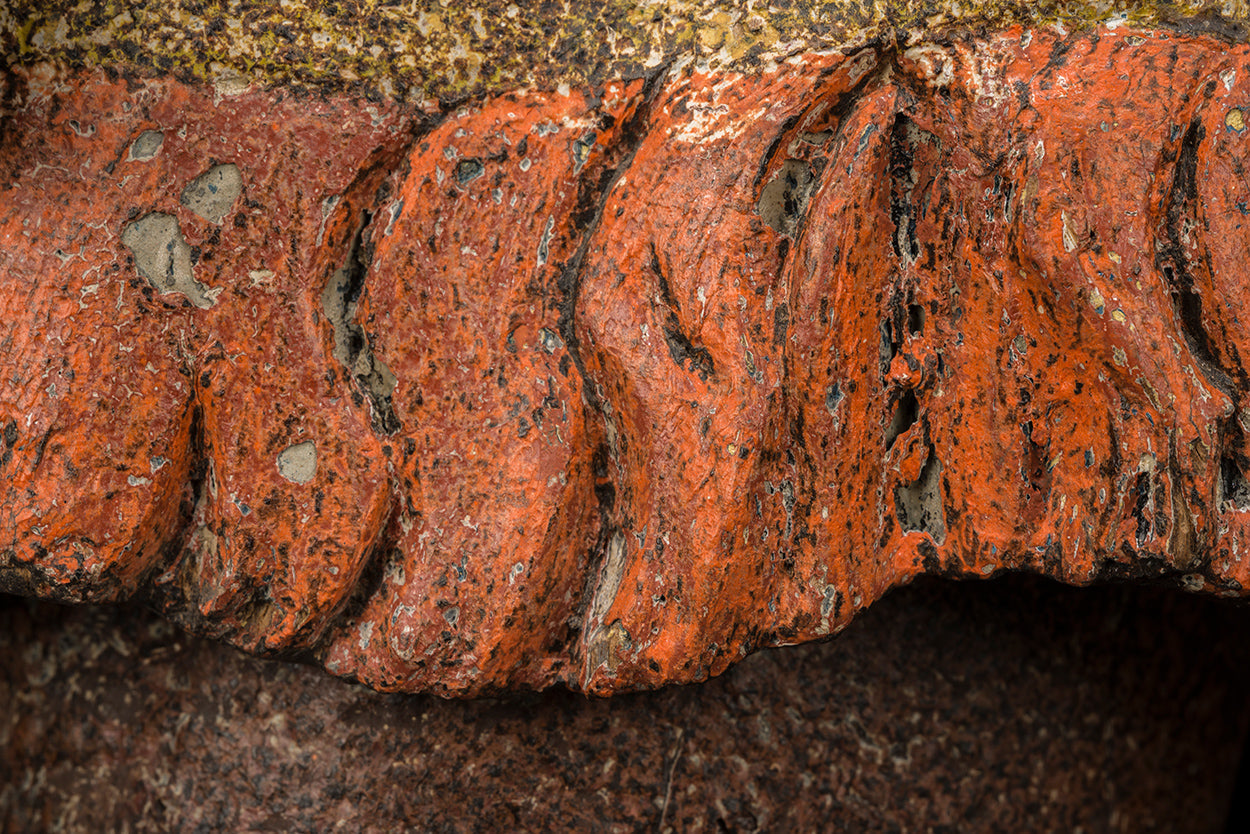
[588,215]
[679,345]
[1180,224]
[352,349]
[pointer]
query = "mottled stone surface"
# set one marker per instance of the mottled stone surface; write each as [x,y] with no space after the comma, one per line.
[1010,705]
[447,50]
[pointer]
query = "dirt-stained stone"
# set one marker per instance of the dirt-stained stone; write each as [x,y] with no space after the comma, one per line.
[1010,705]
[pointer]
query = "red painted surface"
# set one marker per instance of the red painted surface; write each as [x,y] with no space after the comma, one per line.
[645,377]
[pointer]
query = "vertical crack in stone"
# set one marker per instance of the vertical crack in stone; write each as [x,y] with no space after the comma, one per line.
[587,217]
[905,136]
[919,504]
[1185,544]
[173,590]
[906,412]
[352,349]
[887,347]
[1181,228]
[609,577]
[1181,225]
[1234,489]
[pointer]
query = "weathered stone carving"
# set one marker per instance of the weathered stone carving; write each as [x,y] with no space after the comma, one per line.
[610,387]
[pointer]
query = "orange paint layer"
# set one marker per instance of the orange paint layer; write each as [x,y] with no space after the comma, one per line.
[609,389]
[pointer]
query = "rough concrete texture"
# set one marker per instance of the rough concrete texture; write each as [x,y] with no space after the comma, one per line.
[609,387]
[1013,705]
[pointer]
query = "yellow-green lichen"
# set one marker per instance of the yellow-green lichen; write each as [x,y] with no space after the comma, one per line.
[454,48]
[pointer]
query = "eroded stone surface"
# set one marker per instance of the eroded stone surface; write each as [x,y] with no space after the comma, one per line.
[211,195]
[298,463]
[163,257]
[610,387]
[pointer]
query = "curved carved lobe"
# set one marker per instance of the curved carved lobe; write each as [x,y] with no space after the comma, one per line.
[611,388]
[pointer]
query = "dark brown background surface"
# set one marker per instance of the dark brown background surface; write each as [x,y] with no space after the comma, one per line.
[1011,705]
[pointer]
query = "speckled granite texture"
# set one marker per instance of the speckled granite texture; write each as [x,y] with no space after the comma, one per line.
[446,49]
[1012,705]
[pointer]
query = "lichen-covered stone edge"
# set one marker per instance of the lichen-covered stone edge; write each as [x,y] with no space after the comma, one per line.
[451,49]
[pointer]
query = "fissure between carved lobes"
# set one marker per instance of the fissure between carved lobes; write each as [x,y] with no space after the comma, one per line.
[1184,260]
[782,204]
[484,377]
[914,155]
